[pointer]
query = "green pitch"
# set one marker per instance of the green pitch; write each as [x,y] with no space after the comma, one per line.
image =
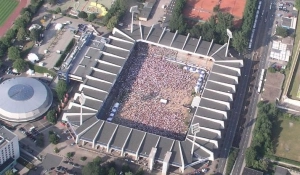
[6,8]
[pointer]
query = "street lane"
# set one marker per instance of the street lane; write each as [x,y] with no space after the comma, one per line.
[261,48]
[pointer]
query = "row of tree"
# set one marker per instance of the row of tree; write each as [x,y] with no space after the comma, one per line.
[215,28]
[19,31]
[261,144]
[177,21]
[241,37]
[115,13]
[97,168]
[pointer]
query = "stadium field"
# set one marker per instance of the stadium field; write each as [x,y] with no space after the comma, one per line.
[6,8]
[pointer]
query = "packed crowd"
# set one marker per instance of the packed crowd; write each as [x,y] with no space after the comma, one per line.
[151,78]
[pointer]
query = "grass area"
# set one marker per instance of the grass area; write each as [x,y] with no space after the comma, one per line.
[286,138]
[6,8]
[295,81]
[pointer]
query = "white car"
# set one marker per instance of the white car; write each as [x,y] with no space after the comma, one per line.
[69,137]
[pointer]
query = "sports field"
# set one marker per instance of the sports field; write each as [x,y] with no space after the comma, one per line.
[286,144]
[6,8]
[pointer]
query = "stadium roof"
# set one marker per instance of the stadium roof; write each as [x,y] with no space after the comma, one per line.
[31,97]
[211,113]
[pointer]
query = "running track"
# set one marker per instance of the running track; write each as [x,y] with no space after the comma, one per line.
[9,22]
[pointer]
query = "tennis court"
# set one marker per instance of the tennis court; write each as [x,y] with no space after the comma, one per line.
[203,9]
[6,8]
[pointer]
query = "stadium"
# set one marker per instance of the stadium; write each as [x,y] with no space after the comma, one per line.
[170,110]
[24,99]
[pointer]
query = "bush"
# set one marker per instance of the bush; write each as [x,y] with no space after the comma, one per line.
[271,69]
[65,53]
[40,69]
[83,158]
[231,159]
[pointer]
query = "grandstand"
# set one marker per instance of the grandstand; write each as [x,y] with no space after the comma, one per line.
[97,65]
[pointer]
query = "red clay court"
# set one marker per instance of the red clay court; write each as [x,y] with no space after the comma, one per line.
[9,22]
[203,9]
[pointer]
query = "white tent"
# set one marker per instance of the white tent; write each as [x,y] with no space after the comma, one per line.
[33,57]
[30,72]
[58,26]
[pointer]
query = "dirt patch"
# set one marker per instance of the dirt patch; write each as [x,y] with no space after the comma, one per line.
[272,86]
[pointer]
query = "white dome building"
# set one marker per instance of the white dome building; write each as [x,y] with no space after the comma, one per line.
[23,99]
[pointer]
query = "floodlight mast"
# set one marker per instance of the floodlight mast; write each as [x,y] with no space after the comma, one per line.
[132,12]
[195,129]
[82,101]
[229,34]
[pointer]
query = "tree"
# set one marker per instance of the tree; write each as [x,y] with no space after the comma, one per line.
[20,65]
[112,23]
[58,10]
[27,16]
[125,168]
[13,53]
[297,4]
[53,139]
[51,116]
[83,158]
[52,2]
[3,49]
[61,89]
[140,171]
[11,33]
[112,171]
[69,155]
[92,17]
[216,8]
[250,156]
[9,172]
[281,31]
[20,22]
[91,169]
[128,173]
[56,150]
[21,35]
[82,14]
[35,34]
[34,1]
[239,42]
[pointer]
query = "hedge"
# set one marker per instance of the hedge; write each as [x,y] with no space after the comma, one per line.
[231,159]
[40,69]
[285,160]
[65,53]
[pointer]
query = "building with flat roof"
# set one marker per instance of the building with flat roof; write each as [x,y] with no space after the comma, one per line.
[250,171]
[9,149]
[146,10]
[24,99]
[100,64]
[281,170]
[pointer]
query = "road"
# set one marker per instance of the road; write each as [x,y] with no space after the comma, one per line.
[261,47]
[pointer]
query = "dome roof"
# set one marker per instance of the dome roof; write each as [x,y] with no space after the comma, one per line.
[24,99]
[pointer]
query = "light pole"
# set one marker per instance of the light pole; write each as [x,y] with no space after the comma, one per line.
[229,34]
[132,10]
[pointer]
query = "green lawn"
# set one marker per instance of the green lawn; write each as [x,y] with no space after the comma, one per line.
[295,81]
[286,133]
[6,8]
